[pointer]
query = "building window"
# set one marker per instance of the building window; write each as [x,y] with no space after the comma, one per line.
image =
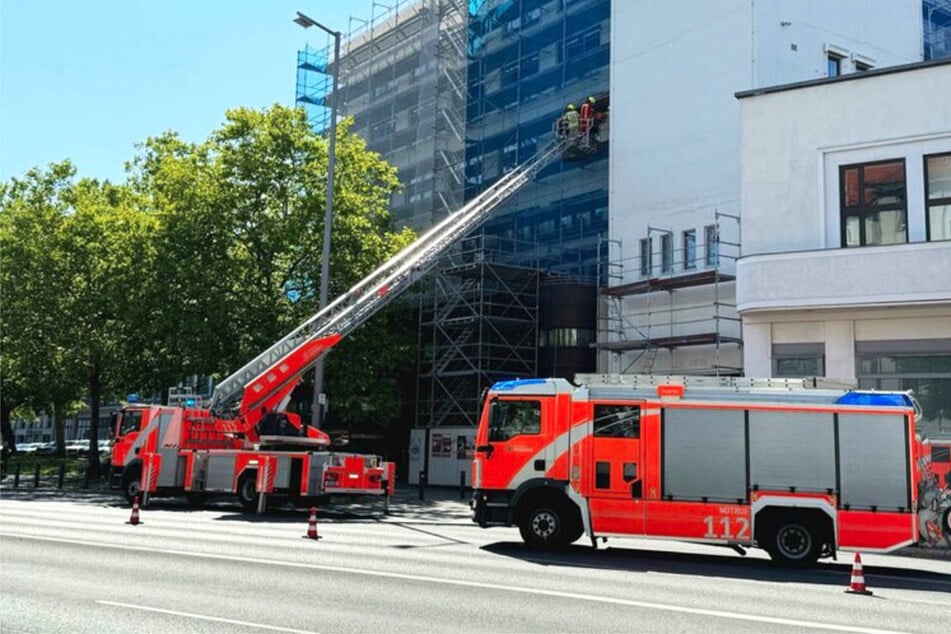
[861,67]
[667,253]
[793,360]
[920,365]
[712,237]
[647,264]
[833,65]
[938,196]
[690,248]
[873,203]
[566,338]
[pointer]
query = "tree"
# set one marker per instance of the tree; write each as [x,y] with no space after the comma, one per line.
[239,244]
[33,280]
[106,250]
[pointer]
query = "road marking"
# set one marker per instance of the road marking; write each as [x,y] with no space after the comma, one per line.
[739,616]
[203,617]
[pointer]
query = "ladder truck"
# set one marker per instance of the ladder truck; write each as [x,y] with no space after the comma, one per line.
[797,470]
[243,442]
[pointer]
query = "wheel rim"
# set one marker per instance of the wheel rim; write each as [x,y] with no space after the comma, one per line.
[794,541]
[544,524]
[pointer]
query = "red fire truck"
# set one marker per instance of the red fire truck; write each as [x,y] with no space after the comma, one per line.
[800,472]
[243,442]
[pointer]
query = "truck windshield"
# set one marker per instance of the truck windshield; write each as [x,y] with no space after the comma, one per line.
[130,421]
[508,419]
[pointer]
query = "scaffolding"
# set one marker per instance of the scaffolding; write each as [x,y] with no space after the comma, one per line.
[402,77]
[937,29]
[477,326]
[640,319]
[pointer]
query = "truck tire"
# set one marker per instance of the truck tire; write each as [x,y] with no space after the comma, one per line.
[130,484]
[794,542]
[247,495]
[549,524]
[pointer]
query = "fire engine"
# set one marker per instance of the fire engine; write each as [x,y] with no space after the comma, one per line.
[243,442]
[797,470]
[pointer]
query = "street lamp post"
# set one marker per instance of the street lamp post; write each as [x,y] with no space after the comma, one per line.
[318,401]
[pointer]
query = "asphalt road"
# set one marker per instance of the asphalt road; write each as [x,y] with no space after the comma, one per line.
[73,564]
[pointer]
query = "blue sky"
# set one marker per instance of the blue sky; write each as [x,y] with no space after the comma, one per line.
[87,80]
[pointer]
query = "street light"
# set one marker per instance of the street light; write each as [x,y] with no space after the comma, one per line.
[318,400]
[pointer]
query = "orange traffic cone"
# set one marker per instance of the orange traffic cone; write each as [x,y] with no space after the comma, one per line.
[134,518]
[312,525]
[857,584]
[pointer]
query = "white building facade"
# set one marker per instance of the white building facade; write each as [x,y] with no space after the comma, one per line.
[846,204]
[675,213]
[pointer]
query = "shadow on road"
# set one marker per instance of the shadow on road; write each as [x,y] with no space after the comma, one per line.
[730,566]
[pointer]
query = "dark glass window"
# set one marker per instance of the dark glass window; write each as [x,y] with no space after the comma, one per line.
[617,421]
[131,421]
[938,196]
[712,236]
[873,199]
[690,248]
[508,419]
[647,264]
[667,252]
[833,65]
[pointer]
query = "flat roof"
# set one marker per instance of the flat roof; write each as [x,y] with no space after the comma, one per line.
[875,72]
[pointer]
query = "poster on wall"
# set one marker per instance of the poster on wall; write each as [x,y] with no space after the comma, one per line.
[465,446]
[441,446]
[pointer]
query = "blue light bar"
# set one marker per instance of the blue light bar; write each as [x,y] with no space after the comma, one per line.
[880,399]
[504,386]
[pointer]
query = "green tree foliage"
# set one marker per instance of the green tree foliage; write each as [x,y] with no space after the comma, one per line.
[240,243]
[207,255]
[71,276]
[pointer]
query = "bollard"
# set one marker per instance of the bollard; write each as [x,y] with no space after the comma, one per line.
[422,485]
[62,474]
[36,476]
[16,477]
[462,484]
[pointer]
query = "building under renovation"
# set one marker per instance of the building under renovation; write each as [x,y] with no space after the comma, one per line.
[623,259]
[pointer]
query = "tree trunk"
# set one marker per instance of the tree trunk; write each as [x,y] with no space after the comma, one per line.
[59,428]
[9,446]
[95,394]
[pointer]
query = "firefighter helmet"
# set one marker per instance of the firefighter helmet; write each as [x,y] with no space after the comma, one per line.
[570,106]
[591,100]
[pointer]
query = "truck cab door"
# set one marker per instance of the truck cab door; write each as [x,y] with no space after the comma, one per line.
[615,471]
[510,445]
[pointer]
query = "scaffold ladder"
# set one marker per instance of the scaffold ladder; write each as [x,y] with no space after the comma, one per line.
[376,290]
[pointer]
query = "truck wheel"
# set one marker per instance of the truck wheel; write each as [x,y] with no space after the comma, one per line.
[794,543]
[247,496]
[545,526]
[130,485]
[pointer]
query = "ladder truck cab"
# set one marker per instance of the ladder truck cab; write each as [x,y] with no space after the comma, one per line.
[183,449]
[798,471]
[243,442]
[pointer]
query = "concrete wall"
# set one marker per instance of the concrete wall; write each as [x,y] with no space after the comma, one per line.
[675,129]
[794,141]
[675,124]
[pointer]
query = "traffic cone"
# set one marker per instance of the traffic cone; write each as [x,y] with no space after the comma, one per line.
[134,518]
[857,584]
[312,525]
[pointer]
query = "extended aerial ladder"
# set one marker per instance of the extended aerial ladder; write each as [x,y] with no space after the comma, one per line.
[265,382]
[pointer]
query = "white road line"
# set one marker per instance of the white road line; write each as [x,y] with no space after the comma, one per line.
[203,617]
[473,584]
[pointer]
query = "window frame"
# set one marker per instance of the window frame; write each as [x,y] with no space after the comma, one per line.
[836,59]
[690,248]
[862,209]
[647,257]
[493,429]
[937,202]
[666,252]
[712,246]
